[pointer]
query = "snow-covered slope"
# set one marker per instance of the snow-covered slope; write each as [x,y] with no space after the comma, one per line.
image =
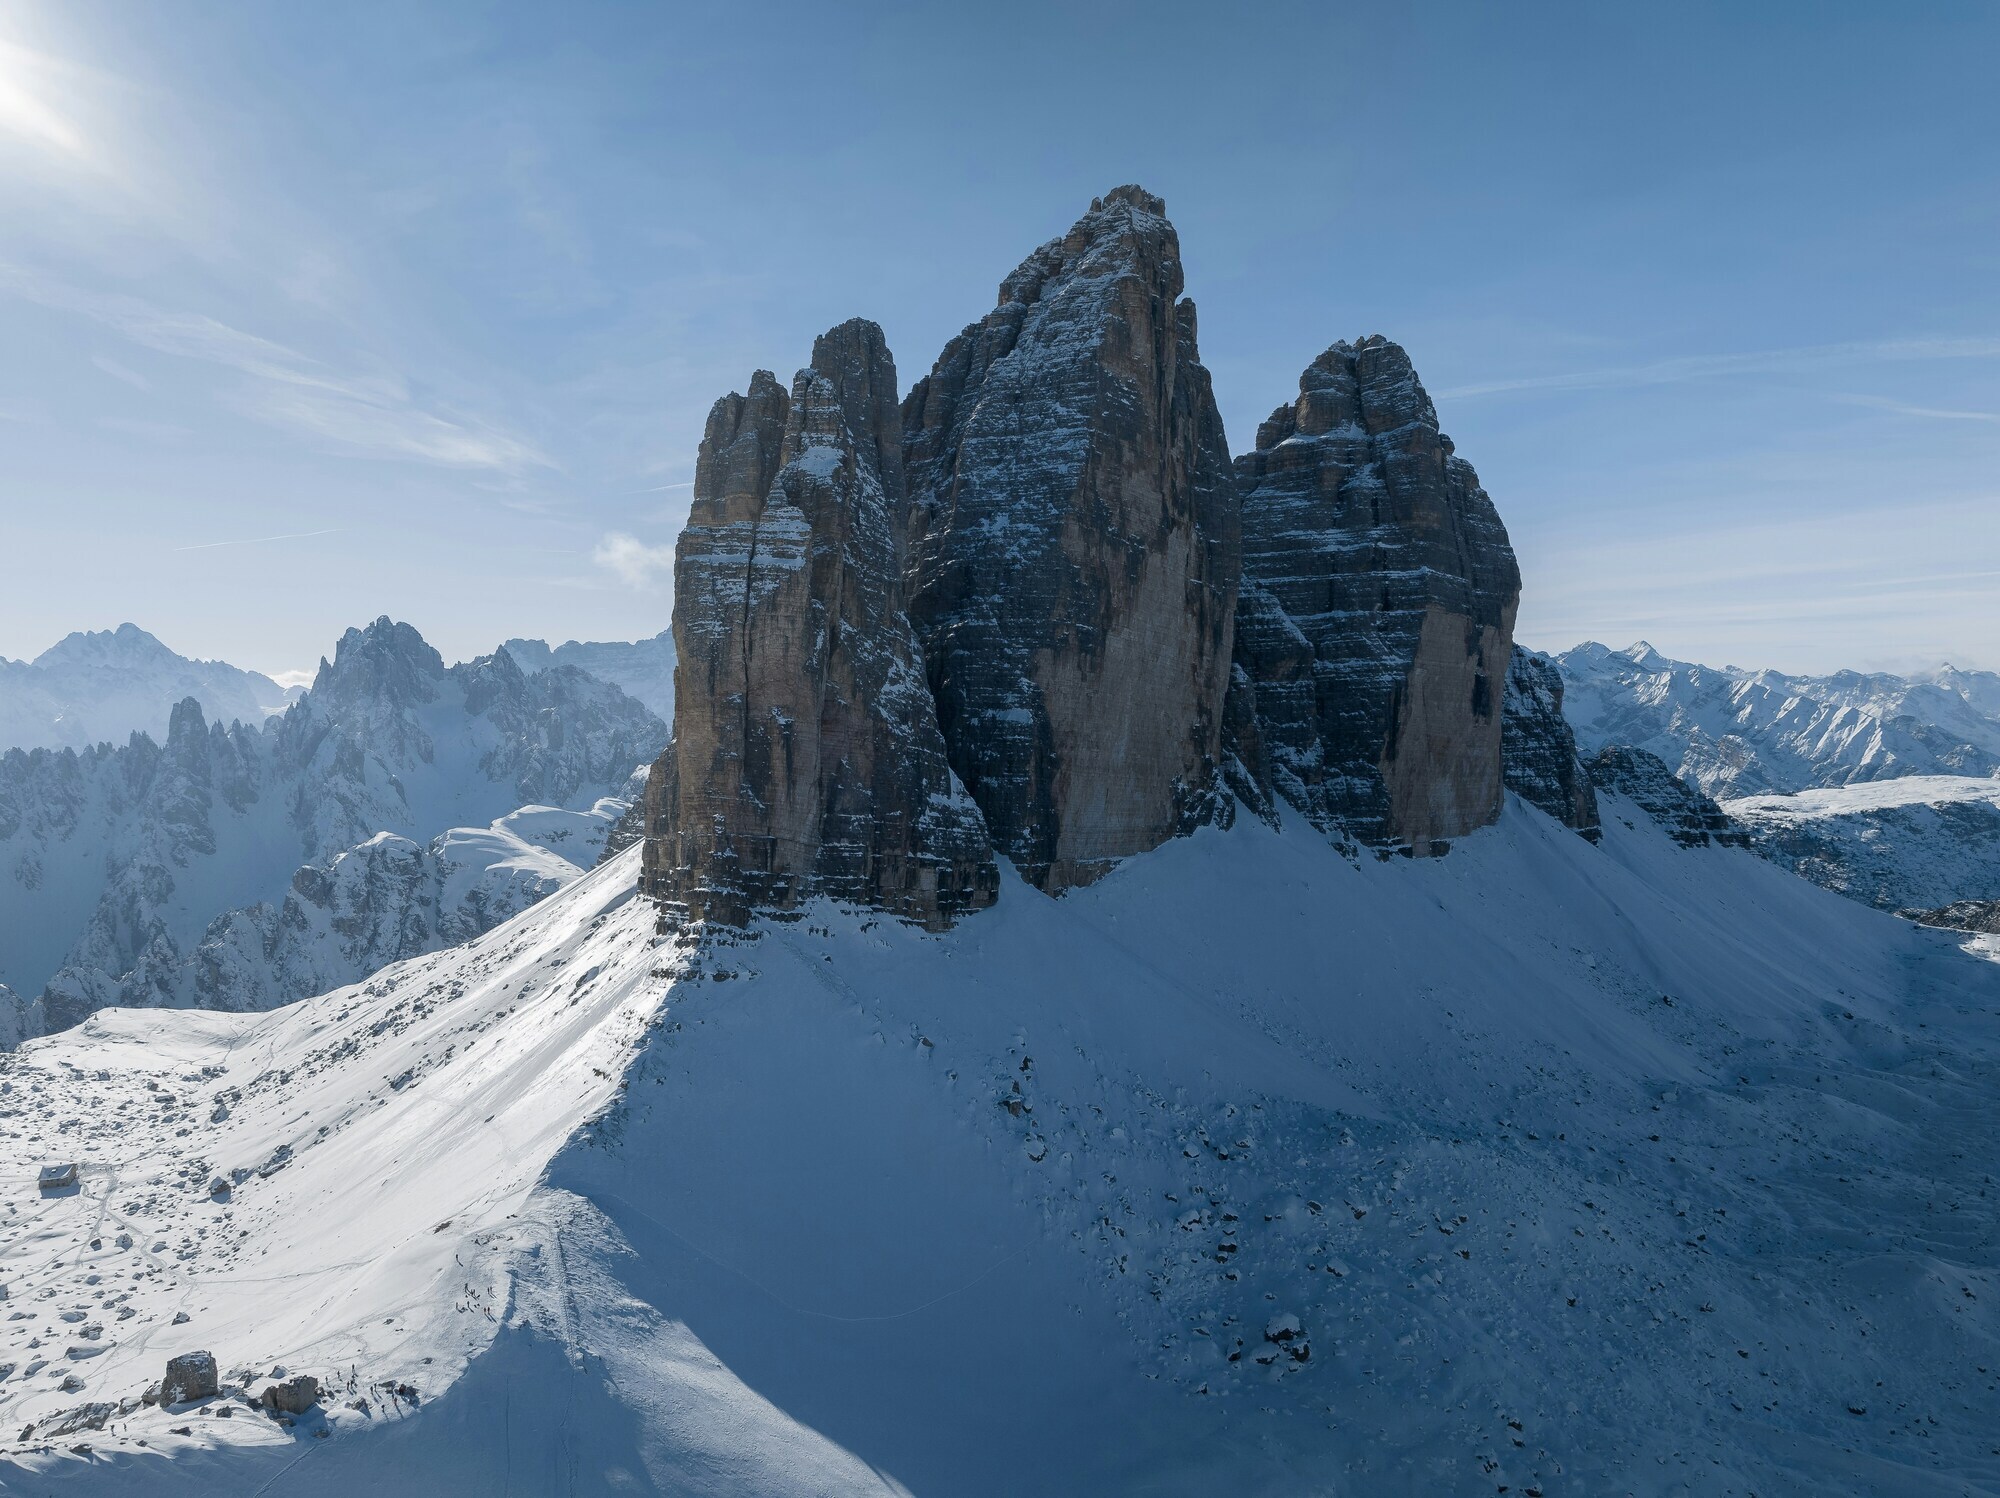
[1918,842]
[642,669]
[105,685]
[1739,733]
[113,860]
[379,902]
[1572,1169]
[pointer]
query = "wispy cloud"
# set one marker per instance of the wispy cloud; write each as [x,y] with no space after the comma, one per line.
[119,371]
[370,414]
[257,540]
[632,561]
[1767,361]
[662,488]
[1928,413]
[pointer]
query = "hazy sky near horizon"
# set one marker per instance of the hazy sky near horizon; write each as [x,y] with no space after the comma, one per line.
[316,313]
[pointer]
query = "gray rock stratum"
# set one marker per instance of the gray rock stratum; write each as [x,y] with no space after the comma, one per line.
[1378,615]
[1028,614]
[807,758]
[1690,817]
[1072,548]
[1538,747]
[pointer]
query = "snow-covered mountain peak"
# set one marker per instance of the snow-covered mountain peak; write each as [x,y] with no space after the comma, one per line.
[1738,733]
[126,646]
[385,662]
[102,686]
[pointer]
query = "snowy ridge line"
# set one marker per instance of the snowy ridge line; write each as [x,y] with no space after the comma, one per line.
[417,1096]
[1269,1163]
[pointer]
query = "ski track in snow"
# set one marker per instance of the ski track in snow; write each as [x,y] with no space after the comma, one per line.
[1574,1170]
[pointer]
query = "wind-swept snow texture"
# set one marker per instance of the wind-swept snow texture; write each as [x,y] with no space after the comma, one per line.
[1569,1169]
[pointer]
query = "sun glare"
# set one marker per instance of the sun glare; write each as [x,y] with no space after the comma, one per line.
[25,114]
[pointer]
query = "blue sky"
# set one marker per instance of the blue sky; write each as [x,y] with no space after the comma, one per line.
[319,312]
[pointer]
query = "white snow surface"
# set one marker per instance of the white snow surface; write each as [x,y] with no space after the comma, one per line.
[1573,1169]
[1873,795]
[1921,841]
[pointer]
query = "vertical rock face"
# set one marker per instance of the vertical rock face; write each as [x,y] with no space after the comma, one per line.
[1072,550]
[807,758]
[1377,618]
[1689,816]
[1538,747]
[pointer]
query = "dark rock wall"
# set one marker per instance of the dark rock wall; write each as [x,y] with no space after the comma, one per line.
[807,758]
[1380,592]
[1073,550]
[1538,747]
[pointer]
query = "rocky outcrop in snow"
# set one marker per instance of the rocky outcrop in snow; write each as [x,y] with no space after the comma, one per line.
[1916,841]
[103,686]
[1073,551]
[1981,917]
[1740,733]
[114,862]
[1689,817]
[1538,747]
[1377,617]
[807,758]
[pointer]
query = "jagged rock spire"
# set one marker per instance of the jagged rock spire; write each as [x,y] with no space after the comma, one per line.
[807,758]
[1073,549]
[1377,618]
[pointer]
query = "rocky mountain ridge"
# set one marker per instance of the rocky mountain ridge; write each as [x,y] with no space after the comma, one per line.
[1119,633]
[114,861]
[1738,733]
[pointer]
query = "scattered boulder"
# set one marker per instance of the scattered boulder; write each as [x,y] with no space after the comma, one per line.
[294,1396]
[191,1376]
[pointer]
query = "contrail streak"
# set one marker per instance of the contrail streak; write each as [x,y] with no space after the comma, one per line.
[255,540]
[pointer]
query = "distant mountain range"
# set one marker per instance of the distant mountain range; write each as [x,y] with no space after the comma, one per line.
[102,686]
[642,669]
[1743,733]
[116,862]
[1878,786]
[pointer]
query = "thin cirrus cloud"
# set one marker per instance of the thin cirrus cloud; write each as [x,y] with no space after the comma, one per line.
[632,561]
[119,371]
[1928,413]
[371,415]
[1767,361]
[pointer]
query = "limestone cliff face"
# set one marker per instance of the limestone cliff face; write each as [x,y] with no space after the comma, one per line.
[1377,616]
[1072,550]
[807,758]
[1538,747]
[1689,816]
